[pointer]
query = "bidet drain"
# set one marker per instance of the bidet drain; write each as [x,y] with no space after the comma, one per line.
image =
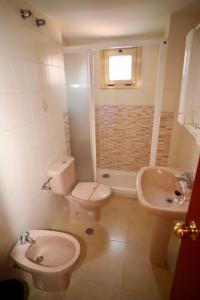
[89,230]
[169,200]
[39,259]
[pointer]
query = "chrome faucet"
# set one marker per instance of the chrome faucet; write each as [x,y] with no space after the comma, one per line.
[26,238]
[187,177]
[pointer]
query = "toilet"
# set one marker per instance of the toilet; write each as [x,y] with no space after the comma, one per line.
[85,198]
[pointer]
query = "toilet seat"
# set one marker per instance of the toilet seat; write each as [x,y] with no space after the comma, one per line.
[86,200]
[91,192]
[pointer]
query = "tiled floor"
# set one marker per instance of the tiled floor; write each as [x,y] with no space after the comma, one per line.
[114,263]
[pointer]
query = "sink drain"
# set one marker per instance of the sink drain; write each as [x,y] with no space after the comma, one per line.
[89,230]
[39,259]
[169,200]
[177,193]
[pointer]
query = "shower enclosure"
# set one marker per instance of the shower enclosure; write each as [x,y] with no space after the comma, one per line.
[114,133]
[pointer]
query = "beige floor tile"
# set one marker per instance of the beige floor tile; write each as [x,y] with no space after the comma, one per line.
[119,208]
[139,231]
[114,262]
[79,290]
[111,228]
[117,230]
[36,294]
[83,290]
[104,230]
[140,295]
[142,278]
[103,263]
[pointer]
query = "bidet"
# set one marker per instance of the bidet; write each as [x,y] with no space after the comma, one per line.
[49,259]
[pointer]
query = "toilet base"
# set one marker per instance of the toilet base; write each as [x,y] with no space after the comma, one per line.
[78,213]
[51,284]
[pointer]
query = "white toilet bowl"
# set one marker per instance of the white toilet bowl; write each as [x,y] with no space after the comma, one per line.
[86,200]
[49,259]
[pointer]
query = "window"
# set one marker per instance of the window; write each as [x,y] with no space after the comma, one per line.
[121,67]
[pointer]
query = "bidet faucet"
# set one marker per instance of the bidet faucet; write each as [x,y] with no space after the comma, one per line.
[187,177]
[26,238]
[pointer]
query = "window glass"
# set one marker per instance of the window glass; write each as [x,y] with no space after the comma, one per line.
[120,67]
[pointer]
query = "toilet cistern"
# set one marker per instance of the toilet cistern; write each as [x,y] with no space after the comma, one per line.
[26,238]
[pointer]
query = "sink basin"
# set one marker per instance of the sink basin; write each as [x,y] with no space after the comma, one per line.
[159,192]
[166,198]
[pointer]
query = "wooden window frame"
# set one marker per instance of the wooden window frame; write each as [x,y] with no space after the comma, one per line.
[135,52]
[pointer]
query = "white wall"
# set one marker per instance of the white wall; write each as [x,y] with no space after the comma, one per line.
[184,152]
[144,95]
[32,102]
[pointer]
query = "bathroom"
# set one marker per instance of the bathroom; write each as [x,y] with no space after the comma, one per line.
[38,128]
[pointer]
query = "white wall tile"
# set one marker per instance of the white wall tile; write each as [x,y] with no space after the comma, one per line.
[31,76]
[7,149]
[19,76]
[32,102]
[7,83]
[38,106]
[15,111]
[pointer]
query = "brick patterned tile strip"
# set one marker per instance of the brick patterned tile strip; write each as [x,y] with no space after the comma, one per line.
[67,133]
[123,136]
[165,132]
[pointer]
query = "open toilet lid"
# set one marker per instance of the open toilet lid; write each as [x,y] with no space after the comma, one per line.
[91,191]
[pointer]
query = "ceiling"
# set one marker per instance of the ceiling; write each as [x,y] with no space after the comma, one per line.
[87,20]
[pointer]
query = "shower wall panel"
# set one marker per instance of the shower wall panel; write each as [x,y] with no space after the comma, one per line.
[123,136]
[79,107]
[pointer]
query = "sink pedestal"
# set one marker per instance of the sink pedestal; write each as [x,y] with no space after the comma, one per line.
[165,197]
[160,236]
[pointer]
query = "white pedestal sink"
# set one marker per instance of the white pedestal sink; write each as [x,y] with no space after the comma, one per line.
[167,199]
